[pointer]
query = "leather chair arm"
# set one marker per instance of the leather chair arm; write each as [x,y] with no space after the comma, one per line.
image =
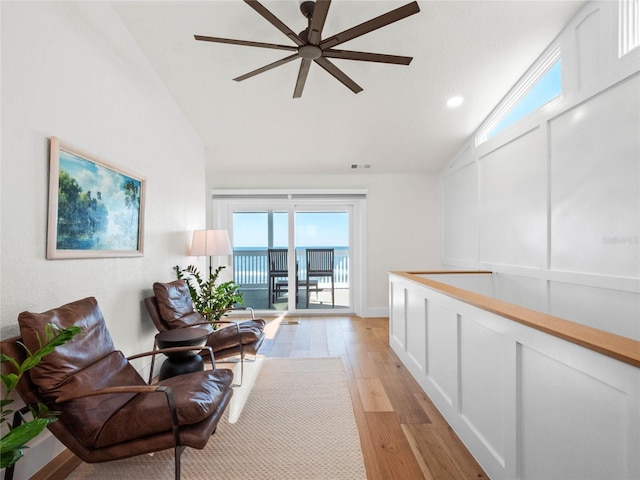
[170,350]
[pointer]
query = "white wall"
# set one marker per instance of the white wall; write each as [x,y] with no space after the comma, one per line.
[403,220]
[71,70]
[553,202]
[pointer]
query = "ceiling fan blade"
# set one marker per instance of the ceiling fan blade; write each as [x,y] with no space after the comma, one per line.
[338,74]
[302,77]
[275,21]
[367,57]
[266,68]
[317,21]
[369,26]
[245,43]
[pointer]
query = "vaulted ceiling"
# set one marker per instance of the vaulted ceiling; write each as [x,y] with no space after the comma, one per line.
[399,123]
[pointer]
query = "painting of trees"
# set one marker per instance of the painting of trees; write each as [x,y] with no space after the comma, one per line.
[81,217]
[98,208]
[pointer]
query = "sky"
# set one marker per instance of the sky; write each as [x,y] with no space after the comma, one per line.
[313,229]
[544,90]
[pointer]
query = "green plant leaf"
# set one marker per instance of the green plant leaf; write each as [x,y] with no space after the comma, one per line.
[17,437]
[7,358]
[13,443]
[10,457]
[10,380]
[210,300]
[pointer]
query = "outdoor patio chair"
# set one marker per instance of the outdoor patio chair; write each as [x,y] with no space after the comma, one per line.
[320,265]
[278,274]
[107,411]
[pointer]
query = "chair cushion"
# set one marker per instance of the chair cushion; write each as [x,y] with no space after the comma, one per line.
[189,320]
[85,417]
[174,299]
[91,344]
[196,396]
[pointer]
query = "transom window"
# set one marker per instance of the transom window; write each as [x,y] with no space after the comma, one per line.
[541,85]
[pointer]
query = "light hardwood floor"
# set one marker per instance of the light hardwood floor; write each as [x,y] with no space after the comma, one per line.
[403,436]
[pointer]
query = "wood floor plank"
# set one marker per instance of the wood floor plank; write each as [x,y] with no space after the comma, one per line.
[416,452]
[454,447]
[437,459]
[430,409]
[394,456]
[404,402]
[301,344]
[335,340]
[366,441]
[319,346]
[363,366]
[373,396]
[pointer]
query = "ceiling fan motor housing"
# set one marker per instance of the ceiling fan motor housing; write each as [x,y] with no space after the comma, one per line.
[307,7]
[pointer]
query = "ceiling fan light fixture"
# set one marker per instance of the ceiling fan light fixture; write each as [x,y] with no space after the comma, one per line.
[310,52]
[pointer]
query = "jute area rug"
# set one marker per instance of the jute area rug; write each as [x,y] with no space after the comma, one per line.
[292,421]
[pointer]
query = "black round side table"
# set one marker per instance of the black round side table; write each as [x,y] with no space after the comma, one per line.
[179,363]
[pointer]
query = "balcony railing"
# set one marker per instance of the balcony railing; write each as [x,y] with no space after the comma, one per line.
[251,269]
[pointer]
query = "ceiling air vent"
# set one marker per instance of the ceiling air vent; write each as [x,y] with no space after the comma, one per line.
[355,166]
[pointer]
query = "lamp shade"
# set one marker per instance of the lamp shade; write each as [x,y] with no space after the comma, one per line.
[207,243]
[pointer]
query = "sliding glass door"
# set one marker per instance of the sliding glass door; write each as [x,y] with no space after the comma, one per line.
[290,254]
[322,255]
[260,254]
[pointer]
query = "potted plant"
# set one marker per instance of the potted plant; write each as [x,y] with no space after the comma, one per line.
[210,300]
[13,443]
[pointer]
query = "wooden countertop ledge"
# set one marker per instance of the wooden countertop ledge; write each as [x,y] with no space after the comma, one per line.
[615,346]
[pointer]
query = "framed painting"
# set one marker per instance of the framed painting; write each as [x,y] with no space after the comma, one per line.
[95,208]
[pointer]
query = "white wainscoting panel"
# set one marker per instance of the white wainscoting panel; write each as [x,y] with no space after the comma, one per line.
[481,283]
[397,316]
[529,292]
[513,229]
[442,341]
[595,192]
[483,370]
[416,341]
[615,311]
[460,207]
[587,35]
[572,426]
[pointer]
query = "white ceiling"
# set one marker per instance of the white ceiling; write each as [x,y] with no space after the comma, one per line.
[400,122]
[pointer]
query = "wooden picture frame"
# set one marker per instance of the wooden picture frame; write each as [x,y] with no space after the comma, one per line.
[96,209]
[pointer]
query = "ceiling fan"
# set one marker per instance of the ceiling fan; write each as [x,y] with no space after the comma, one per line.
[310,47]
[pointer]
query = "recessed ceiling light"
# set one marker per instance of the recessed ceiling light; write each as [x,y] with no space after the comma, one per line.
[455,102]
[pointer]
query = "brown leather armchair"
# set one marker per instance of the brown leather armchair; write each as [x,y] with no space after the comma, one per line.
[171,307]
[107,411]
